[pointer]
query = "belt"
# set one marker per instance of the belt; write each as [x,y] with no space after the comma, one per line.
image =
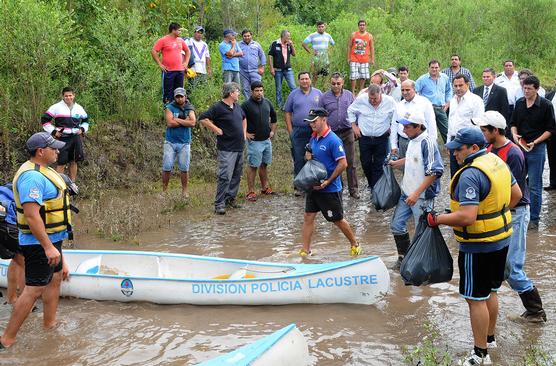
[437,106]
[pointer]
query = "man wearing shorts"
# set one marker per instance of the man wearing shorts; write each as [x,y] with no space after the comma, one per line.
[44,221]
[319,40]
[361,51]
[326,198]
[180,118]
[261,126]
[67,121]
[482,193]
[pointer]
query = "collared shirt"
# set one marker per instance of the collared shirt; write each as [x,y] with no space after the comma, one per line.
[319,41]
[337,107]
[328,149]
[372,121]
[228,64]
[469,106]
[299,104]
[462,70]
[438,91]
[418,103]
[253,56]
[533,121]
[230,121]
[511,85]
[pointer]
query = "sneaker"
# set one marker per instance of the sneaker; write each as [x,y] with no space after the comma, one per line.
[474,360]
[355,250]
[267,191]
[220,211]
[538,317]
[303,253]
[232,203]
[251,196]
[491,345]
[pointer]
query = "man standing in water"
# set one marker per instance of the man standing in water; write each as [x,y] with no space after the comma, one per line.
[41,197]
[326,148]
[482,193]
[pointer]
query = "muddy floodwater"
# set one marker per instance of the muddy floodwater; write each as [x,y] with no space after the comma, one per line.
[110,333]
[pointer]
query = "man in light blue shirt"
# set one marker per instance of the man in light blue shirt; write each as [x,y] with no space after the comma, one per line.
[371,116]
[436,87]
[319,40]
[230,52]
[251,64]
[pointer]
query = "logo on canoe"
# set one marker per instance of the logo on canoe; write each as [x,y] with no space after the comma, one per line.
[127,287]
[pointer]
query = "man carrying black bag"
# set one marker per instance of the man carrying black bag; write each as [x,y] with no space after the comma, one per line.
[422,169]
[482,193]
[326,148]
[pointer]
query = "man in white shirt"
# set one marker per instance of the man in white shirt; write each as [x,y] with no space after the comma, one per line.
[510,81]
[463,106]
[411,103]
[201,53]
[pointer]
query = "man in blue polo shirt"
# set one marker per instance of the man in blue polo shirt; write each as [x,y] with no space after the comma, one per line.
[326,148]
[230,52]
[300,101]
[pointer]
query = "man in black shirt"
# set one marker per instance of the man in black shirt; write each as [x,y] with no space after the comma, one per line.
[227,120]
[261,126]
[532,124]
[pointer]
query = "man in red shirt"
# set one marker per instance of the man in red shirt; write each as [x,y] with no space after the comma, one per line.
[361,51]
[175,58]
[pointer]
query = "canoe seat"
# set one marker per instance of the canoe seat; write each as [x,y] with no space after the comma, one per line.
[89,266]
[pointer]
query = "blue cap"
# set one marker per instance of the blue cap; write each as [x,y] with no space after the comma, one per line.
[467,136]
[229,31]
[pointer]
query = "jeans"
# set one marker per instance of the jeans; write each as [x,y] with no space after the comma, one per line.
[246,79]
[279,76]
[299,138]
[373,152]
[551,152]
[230,169]
[171,80]
[403,211]
[171,151]
[231,76]
[518,280]
[441,122]
[535,166]
[348,139]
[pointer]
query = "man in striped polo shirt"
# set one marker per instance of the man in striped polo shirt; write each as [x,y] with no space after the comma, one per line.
[319,41]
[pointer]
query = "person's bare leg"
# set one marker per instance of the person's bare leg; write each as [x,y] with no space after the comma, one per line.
[60,168]
[362,84]
[479,316]
[251,172]
[21,310]
[184,176]
[16,278]
[73,170]
[263,176]
[308,229]
[492,306]
[353,83]
[165,180]
[346,229]
[50,298]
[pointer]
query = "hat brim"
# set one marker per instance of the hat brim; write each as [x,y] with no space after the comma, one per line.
[309,119]
[57,144]
[478,121]
[453,145]
[404,121]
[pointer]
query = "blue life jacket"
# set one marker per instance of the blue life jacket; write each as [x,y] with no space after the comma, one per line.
[7,200]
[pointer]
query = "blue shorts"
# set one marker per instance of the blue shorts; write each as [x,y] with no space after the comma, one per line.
[172,151]
[259,152]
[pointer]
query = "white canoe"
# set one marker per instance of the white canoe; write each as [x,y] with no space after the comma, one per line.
[166,278]
[285,347]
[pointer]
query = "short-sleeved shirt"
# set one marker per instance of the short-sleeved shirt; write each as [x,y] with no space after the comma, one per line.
[171,48]
[337,107]
[516,162]
[32,186]
[229,64]
[201,51]
[180,134]
[328,149]
[473,186]
[299,104]
[319,41]
[230,121]
[259,115]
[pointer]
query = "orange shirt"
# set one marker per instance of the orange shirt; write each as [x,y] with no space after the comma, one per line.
[360,50]
[171,48]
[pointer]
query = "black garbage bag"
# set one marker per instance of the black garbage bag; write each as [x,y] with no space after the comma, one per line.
[386,192]
[428,259]
[312,174]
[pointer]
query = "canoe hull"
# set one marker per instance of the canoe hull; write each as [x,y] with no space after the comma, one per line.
[363,281]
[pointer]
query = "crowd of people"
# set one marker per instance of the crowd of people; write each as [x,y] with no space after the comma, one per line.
[497,136]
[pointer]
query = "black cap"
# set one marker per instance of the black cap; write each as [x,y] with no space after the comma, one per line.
[315,113]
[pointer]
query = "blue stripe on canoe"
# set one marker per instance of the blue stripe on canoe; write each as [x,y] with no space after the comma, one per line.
[249,352]
[300,270]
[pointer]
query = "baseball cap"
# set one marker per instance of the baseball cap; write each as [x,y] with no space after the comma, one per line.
[229,31]
[199,29]
[41,140]
[467,136]
[490,118]
[315,113]
[413,117]
[393,71]
[179,91]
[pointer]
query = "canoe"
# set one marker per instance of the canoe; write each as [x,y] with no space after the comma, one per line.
[167,278]
[285,347]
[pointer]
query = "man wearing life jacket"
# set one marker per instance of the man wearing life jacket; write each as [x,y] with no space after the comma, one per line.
[493,126]
[44,221]
[482,192]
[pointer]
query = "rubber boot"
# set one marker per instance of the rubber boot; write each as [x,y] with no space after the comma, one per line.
[402,245]
[532,302]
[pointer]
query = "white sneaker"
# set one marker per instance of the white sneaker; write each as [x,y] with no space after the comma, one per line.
[491,345]
[474,360]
